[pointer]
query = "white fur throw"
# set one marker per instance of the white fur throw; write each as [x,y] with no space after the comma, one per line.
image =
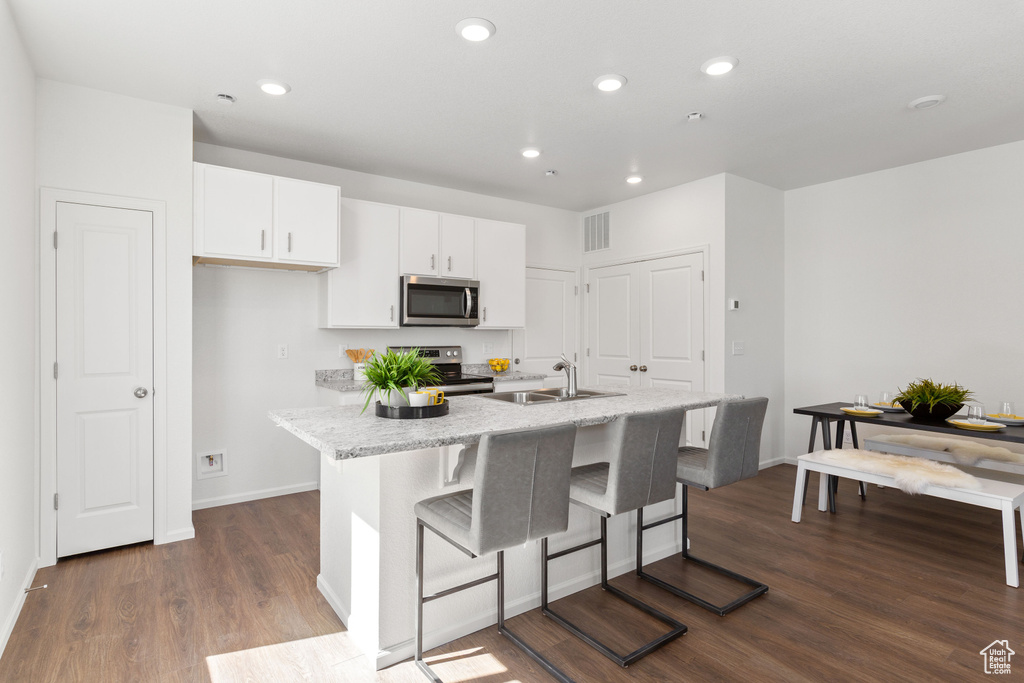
[912,475]
[963,451]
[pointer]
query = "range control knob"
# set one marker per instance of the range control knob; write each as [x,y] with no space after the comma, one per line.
[448,353]
[455,353]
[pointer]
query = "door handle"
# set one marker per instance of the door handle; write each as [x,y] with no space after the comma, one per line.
[141,392]
[643,368]
[469,303]
[632,368]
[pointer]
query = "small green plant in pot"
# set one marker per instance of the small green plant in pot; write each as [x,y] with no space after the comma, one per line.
[932,401]
[389,373]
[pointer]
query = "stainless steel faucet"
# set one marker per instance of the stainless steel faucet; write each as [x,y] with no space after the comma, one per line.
[570,372]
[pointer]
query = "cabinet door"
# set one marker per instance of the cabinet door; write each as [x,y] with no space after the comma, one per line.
[420,240]
[234,213]
[501,265]
[363,290]
[306,222]
[458,251]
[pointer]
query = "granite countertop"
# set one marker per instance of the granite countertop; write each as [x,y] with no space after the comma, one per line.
[344,432]
[341,380]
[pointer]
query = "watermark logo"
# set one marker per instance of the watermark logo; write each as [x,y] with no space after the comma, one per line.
[997,657]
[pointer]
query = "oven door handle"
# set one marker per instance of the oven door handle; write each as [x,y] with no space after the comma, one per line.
[469,303]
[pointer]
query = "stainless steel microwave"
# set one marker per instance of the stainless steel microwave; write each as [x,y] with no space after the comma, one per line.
[438,301]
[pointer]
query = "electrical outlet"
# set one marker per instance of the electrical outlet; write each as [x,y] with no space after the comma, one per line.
[488,349]
[282,350]
[342,348]
[739,348]
[211,464]
[847,438]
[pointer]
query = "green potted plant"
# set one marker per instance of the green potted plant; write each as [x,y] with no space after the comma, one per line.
[932,401]
[390,374]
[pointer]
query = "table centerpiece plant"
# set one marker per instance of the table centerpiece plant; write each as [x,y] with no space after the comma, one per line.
[394,374]
[932,401]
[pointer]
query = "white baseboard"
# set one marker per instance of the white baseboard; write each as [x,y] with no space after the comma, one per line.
[254,495]
[488,617]
[12,616]
[772,462]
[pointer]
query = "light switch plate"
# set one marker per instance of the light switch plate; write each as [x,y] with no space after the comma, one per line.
[739,348]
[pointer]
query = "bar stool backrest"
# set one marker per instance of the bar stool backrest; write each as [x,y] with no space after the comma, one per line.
[734,452]
[642,470]
[521,486]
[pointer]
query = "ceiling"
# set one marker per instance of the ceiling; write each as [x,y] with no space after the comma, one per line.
[387,87]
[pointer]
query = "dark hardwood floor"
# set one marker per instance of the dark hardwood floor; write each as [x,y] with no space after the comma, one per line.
[894,588]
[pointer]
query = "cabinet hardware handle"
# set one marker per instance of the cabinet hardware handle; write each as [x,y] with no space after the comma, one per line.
[632,368]
[263,240]
[289,243]
[449,264]
[392,313]
[485,314]
[432,262]
[643,368]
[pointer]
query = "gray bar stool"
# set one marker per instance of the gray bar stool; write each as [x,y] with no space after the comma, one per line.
[733,455]
[520,493]
[641,471]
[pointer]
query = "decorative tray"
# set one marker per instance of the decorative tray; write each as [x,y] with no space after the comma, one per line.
[411,412]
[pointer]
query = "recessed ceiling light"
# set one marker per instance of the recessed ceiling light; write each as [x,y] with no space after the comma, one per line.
[475,29]
[634,179]
[609,82]
[274,87]
[550,173]
[719,66]
[694,116]
[927,102]
[225,99]
[531,152]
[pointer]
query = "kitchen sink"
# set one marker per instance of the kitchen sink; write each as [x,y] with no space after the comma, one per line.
[545,396]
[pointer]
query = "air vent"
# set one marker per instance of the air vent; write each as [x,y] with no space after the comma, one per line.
[596,232]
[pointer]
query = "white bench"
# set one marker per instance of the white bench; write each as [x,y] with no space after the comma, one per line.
[994,494]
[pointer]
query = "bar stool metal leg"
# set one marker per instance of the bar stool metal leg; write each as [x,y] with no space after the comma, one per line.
[677,628]
[720,610]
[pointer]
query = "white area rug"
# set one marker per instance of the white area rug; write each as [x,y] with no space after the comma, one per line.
[912,475]
[963,451]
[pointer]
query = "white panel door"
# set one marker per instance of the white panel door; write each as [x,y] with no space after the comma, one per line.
[419,242]
[613,320]
[105,379]
[551,315]
[306,221]
[672,328]
[458,246]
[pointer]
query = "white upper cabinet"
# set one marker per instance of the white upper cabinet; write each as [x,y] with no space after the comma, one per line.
[363,290]
[501,264]
[234,213]
[458,246]
[262,220]
[306,221]
[437,244]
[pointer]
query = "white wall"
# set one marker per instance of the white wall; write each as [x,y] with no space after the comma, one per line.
[242,314]
[18,396]
[754,265]
[680,217]
[98,142]
[905,273]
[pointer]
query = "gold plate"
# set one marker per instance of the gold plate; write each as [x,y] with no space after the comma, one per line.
[987,427]
[870,412]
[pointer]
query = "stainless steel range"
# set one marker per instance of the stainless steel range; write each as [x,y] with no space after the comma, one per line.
[448,361]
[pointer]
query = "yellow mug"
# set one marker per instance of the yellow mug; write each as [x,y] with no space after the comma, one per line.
[436,396]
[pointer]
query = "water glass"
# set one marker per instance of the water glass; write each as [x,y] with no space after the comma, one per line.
[887,398]
[860,402]
[976,413]
[1006,410]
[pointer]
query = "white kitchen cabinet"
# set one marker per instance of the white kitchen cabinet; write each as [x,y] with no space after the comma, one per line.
[437,244]
[363,290]
[306,222]
[254,219]
[501,268]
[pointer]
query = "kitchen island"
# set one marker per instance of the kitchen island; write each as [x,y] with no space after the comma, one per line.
[373,470]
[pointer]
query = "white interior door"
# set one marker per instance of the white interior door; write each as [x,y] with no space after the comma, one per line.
[104,283]
[672,329]
[613,321]
[551,315]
